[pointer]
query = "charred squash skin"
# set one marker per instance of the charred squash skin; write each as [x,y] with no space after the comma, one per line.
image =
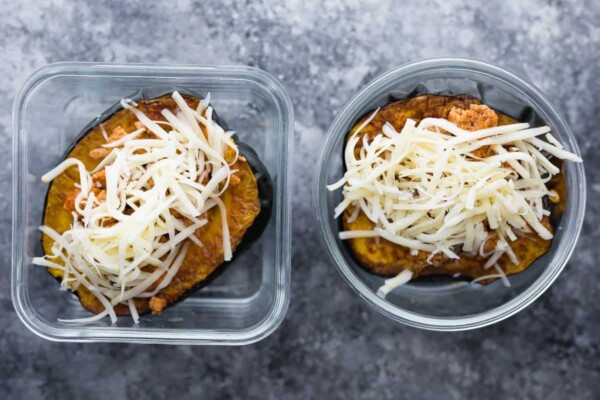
[242,202]
[388,259]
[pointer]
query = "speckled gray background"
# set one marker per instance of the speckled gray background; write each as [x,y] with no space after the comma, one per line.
[328,346]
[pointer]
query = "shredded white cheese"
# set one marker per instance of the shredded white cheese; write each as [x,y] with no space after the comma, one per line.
[424,189]
[393,283]
[132,244]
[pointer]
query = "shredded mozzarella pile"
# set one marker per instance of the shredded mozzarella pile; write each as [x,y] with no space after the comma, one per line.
[156,196]
[424,189]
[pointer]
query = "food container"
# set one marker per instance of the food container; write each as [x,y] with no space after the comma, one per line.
[442,303]
[248,300]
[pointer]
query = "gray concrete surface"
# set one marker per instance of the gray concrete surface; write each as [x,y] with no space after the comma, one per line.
[328,346]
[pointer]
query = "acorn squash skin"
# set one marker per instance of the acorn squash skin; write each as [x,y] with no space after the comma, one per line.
[248,205]
[388,259]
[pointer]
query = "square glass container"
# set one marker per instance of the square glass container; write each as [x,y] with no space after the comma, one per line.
[250,298]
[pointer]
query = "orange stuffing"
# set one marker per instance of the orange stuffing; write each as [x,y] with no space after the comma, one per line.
[117,133]
[477,117]
[157,305]
[69,203]
[99,178]
[100,194]
[99,153]
[235,180]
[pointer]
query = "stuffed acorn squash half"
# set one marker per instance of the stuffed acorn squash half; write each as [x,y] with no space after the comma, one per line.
[149,204]
[444,185]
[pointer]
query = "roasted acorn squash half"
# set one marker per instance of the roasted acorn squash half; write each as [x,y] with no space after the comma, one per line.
[248,205]
[388,259]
